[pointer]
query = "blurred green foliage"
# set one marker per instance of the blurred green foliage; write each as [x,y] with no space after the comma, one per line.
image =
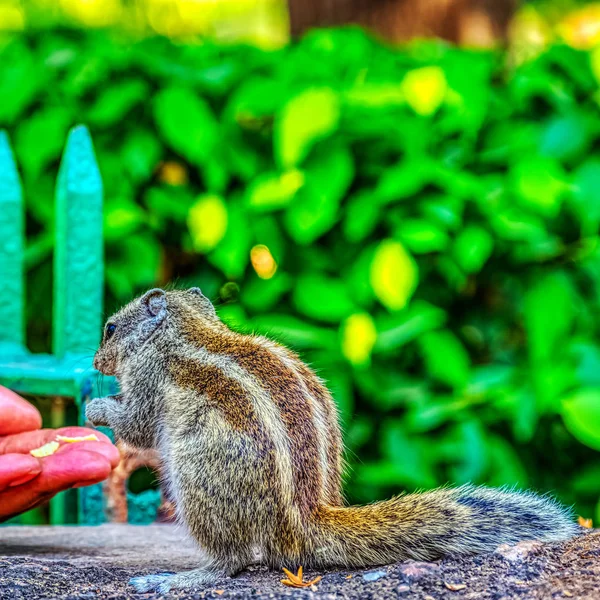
[424,221]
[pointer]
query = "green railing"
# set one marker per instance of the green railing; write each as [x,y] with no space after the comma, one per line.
[67,373]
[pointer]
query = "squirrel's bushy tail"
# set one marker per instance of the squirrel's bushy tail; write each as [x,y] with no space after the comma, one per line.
[428,525]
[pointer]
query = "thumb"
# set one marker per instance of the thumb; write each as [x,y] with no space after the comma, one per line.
[16,469]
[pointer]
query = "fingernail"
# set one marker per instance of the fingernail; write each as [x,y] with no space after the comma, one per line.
[23,479]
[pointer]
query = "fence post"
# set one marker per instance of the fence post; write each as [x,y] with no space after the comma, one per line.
[78,252]
[12,225]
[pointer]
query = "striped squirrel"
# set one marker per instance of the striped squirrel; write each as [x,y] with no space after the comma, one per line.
[252,454]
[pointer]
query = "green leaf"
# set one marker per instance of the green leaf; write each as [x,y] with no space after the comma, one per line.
[116,101]
[586,194]
[134,265]
[255,100]
[465,446]
[140,154]
[505,466]
[322,298]
[539,184]
[308,117]
[587,356]
[445,211]
[400,328]
[232,252]
[315,208]
[272,191]
[166,204]
[40,138]
[186,122]
[357,277]
[581,414]
[472,248]
[548,312]
[20,80]
[445,358]
[233,315]
[585,482]
[362,213]
[121,217]
[294,332]
[514,225]
[415,466]
[429,413]
[404,180]
[421,236]
[374,96]
[261,295]
[564,137]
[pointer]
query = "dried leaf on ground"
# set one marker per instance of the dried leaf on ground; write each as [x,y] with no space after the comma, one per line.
[455,587]
[295,580]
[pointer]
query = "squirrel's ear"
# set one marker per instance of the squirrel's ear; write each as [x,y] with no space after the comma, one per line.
[155,302]
[204,302]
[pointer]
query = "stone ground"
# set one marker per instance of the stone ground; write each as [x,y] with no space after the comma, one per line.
[96,562]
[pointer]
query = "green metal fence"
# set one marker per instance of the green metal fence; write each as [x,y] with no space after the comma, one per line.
[78,283]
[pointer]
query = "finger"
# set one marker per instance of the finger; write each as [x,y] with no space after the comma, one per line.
[16,414]
[60,472]
[108,451]
[16,469]
[72,466]
[26,441]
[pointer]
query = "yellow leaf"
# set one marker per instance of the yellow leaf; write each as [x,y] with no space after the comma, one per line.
[595,62]
[262,261]
[207,222]
[425,89]
[358,338]
[394,275]
[306,118]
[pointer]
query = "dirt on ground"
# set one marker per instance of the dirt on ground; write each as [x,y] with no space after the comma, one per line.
[96,562]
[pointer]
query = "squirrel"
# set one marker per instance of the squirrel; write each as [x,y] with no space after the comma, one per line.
[251,454]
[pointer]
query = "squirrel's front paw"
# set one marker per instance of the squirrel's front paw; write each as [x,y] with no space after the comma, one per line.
[99,411]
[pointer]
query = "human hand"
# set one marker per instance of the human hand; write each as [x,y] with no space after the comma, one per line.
[26,481]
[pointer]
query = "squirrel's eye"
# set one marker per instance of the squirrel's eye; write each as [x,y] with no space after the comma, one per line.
[110,329]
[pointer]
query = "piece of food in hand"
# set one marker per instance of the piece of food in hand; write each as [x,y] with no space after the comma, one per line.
[84,438]
[46,450]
